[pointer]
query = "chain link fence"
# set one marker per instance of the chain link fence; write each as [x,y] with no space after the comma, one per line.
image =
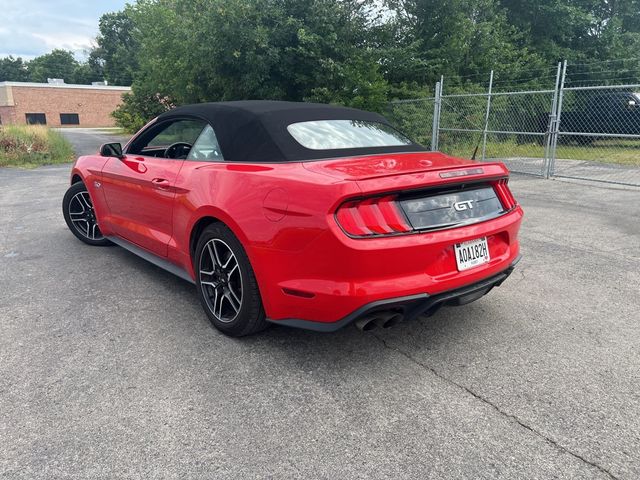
[414,118]
[590,133]
[599,134]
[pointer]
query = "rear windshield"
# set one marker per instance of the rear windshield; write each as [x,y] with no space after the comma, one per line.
[340,134]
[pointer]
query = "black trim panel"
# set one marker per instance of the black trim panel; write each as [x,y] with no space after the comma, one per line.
[152,258]
[436,211]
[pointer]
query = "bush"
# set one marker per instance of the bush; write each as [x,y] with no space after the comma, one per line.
[138,108]
[32,145]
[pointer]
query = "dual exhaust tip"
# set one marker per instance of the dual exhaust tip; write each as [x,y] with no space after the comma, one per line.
[378,320]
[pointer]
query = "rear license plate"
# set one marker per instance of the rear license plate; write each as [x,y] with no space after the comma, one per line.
[472,253]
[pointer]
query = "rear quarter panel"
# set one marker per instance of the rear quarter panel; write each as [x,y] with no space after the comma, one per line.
[275,210]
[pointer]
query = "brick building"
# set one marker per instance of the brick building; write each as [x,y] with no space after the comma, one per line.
[59,104]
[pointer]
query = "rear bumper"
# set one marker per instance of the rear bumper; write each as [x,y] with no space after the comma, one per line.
[333,276]
[411,306]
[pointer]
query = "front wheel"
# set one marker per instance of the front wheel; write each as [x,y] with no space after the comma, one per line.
[80,216]
[226,284]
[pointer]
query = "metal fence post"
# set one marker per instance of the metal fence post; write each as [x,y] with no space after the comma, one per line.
[554,140]
[551,124]
[440,95]
[486,118]
[436,119]
[549,117]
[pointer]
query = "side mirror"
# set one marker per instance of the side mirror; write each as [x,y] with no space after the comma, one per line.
[111,150]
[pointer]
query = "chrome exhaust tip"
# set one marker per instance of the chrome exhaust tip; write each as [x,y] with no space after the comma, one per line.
[366,323]
[388,320]
[378,320]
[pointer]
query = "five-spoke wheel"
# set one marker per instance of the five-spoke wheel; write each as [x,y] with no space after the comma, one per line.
[226,283]
[83,216]
[221,280]
[80,216]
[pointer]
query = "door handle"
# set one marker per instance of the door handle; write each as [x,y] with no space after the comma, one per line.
[160,183]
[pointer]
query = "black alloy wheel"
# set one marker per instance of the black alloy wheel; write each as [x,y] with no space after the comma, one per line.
[226,284]
[80,216]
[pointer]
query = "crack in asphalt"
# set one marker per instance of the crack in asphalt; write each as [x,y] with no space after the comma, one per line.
[496,408]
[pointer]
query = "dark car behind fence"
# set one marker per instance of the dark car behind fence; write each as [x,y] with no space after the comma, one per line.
[582,132]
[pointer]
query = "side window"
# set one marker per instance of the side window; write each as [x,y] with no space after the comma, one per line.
[180,135]
[185,131]
[206,146]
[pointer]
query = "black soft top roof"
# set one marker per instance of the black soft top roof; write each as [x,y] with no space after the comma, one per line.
[256,130]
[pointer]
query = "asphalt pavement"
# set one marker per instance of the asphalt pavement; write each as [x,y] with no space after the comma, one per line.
[87,141]
[109,367]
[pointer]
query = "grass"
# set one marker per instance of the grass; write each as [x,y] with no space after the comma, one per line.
[415,120]
[620,152]
[29,146]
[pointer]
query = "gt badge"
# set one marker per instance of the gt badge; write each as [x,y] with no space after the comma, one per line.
[464,205]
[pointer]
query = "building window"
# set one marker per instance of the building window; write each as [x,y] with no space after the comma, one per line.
[36,118]
[69,119]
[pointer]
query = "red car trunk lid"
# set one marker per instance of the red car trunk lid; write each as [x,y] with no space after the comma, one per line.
[376,166]
[392,172]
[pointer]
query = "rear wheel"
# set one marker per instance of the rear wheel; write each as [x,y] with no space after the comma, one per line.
[80,216]
[226,284]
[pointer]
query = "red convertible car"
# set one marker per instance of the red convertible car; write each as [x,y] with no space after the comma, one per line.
[299,214]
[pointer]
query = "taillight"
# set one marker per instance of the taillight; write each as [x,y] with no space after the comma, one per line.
[507,199]
[372,216]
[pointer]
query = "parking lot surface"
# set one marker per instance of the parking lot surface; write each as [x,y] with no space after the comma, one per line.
[109,367]
[87,141]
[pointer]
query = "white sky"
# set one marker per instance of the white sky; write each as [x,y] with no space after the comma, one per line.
[29,28]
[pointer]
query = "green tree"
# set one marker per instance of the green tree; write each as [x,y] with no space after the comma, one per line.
[87,72]
[117,47]
[356,52]
[141,106]
[13,70]
[460,39]
[210,50]
[574,29]
[57,64]
[594,35]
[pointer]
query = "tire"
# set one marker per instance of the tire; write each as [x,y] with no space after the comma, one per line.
[226,284]
[77,208]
